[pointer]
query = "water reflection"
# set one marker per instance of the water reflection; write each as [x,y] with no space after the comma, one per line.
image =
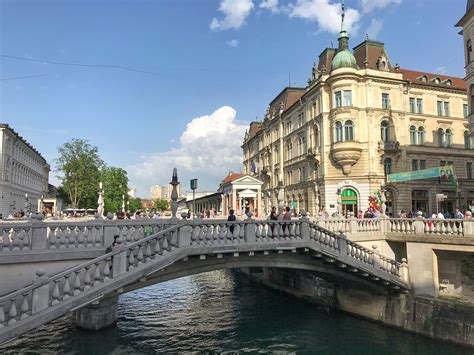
[224,312]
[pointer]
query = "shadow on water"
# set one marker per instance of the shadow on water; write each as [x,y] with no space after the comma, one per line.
[224,312]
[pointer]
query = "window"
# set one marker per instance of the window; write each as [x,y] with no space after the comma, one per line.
[289,149]
[441,138]
[412,104]
[387,166]
[448,138]
[469,170]
[446,108]
[338,99]
[465,110]
[338,132]
[439,105]
[412,135]
[467,140]
[385,101]
[419,105]
[348,131]
[384,131]
[421,136]
[418,164]
[445,162]
[347,98]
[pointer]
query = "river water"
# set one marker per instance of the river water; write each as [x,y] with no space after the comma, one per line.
[223,311]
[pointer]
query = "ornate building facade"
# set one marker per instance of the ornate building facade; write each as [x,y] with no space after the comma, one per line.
[467,25]
[332,143]
[24,173]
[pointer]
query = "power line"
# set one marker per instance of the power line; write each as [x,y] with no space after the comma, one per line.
[110,66]
[23,77]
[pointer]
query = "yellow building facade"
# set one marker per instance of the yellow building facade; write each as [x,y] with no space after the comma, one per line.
[332,143]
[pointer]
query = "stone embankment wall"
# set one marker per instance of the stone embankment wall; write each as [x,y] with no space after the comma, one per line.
[440,319]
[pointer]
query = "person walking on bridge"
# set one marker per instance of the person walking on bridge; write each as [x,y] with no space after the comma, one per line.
[231,218]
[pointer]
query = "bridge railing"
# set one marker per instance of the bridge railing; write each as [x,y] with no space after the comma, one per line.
[94,275]
[399,226]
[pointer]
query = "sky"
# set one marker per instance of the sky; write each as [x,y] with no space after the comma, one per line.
[157,84]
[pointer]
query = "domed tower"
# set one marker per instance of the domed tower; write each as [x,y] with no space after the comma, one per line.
[343,58]
[467,25]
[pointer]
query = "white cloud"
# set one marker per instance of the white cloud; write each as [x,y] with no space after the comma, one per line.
[271,5]
[370,5]
[208,148]
[374,28]
[235,12]
[325,14]
[233,43]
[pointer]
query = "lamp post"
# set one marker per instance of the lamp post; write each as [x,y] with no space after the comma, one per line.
[100,201]
[194,186]
[26,203]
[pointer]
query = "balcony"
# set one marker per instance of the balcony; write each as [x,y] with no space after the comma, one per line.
[346,154]
[389,146]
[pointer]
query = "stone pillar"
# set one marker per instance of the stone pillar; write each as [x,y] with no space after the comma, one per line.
[259,203]
[423,270]
[98,315]
[40,299]
[39,230]
[250,229]
[304,227]
[234,200]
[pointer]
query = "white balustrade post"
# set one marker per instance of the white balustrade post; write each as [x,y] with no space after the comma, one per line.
[250,229]
[185,232]
[468,227]
[119,262]
[304,227]
[353,226]
[109,229]
[342,241]
[39,229]
[419,226]
[404,274]
[40,299]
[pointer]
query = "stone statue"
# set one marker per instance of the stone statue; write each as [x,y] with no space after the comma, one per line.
[100,201]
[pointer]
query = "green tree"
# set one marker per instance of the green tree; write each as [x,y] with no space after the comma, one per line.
[135,204]
[79,164]
[161,205]
[115,184]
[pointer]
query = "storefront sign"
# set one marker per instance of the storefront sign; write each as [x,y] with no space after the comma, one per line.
[441,171]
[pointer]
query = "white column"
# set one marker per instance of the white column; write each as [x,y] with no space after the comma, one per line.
[259,202]
[234,199]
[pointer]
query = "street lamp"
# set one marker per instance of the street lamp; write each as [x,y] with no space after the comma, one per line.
[194,186]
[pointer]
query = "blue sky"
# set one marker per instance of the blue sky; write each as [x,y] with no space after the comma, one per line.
[216,64]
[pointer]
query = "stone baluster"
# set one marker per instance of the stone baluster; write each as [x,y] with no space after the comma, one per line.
[55,294]
[67,287]
[97,274]
[25,306]
[376,262]
[107,268]
[13,313]
[89,236]
[87,278]
[62,240]
[2,315]
[77,282]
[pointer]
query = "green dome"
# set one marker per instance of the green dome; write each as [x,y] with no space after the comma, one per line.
[344,59]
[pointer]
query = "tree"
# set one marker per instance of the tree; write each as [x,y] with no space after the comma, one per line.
[135,204]
[115,184]
[79,164]
[161,205]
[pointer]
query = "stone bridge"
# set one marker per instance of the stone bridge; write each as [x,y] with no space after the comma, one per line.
[174,249]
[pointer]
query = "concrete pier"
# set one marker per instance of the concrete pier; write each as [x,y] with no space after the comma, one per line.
[98,315]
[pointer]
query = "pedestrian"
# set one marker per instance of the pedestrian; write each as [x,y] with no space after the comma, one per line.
[286,216]
[273,217]
[231,218]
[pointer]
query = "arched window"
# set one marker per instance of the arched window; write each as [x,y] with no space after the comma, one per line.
[384,131]
[436,80]
[421,136]
[338,131]
[448,136]
[441,137]
[412,135]
[348,131]
[467,140]
[387,166]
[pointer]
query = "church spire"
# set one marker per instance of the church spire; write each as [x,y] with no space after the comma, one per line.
[343,36]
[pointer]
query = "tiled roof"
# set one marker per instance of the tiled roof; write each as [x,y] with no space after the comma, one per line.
[232,177]
[255,127]
[414,76]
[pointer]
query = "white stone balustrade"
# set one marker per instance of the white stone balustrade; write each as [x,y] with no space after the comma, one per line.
[48,297]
